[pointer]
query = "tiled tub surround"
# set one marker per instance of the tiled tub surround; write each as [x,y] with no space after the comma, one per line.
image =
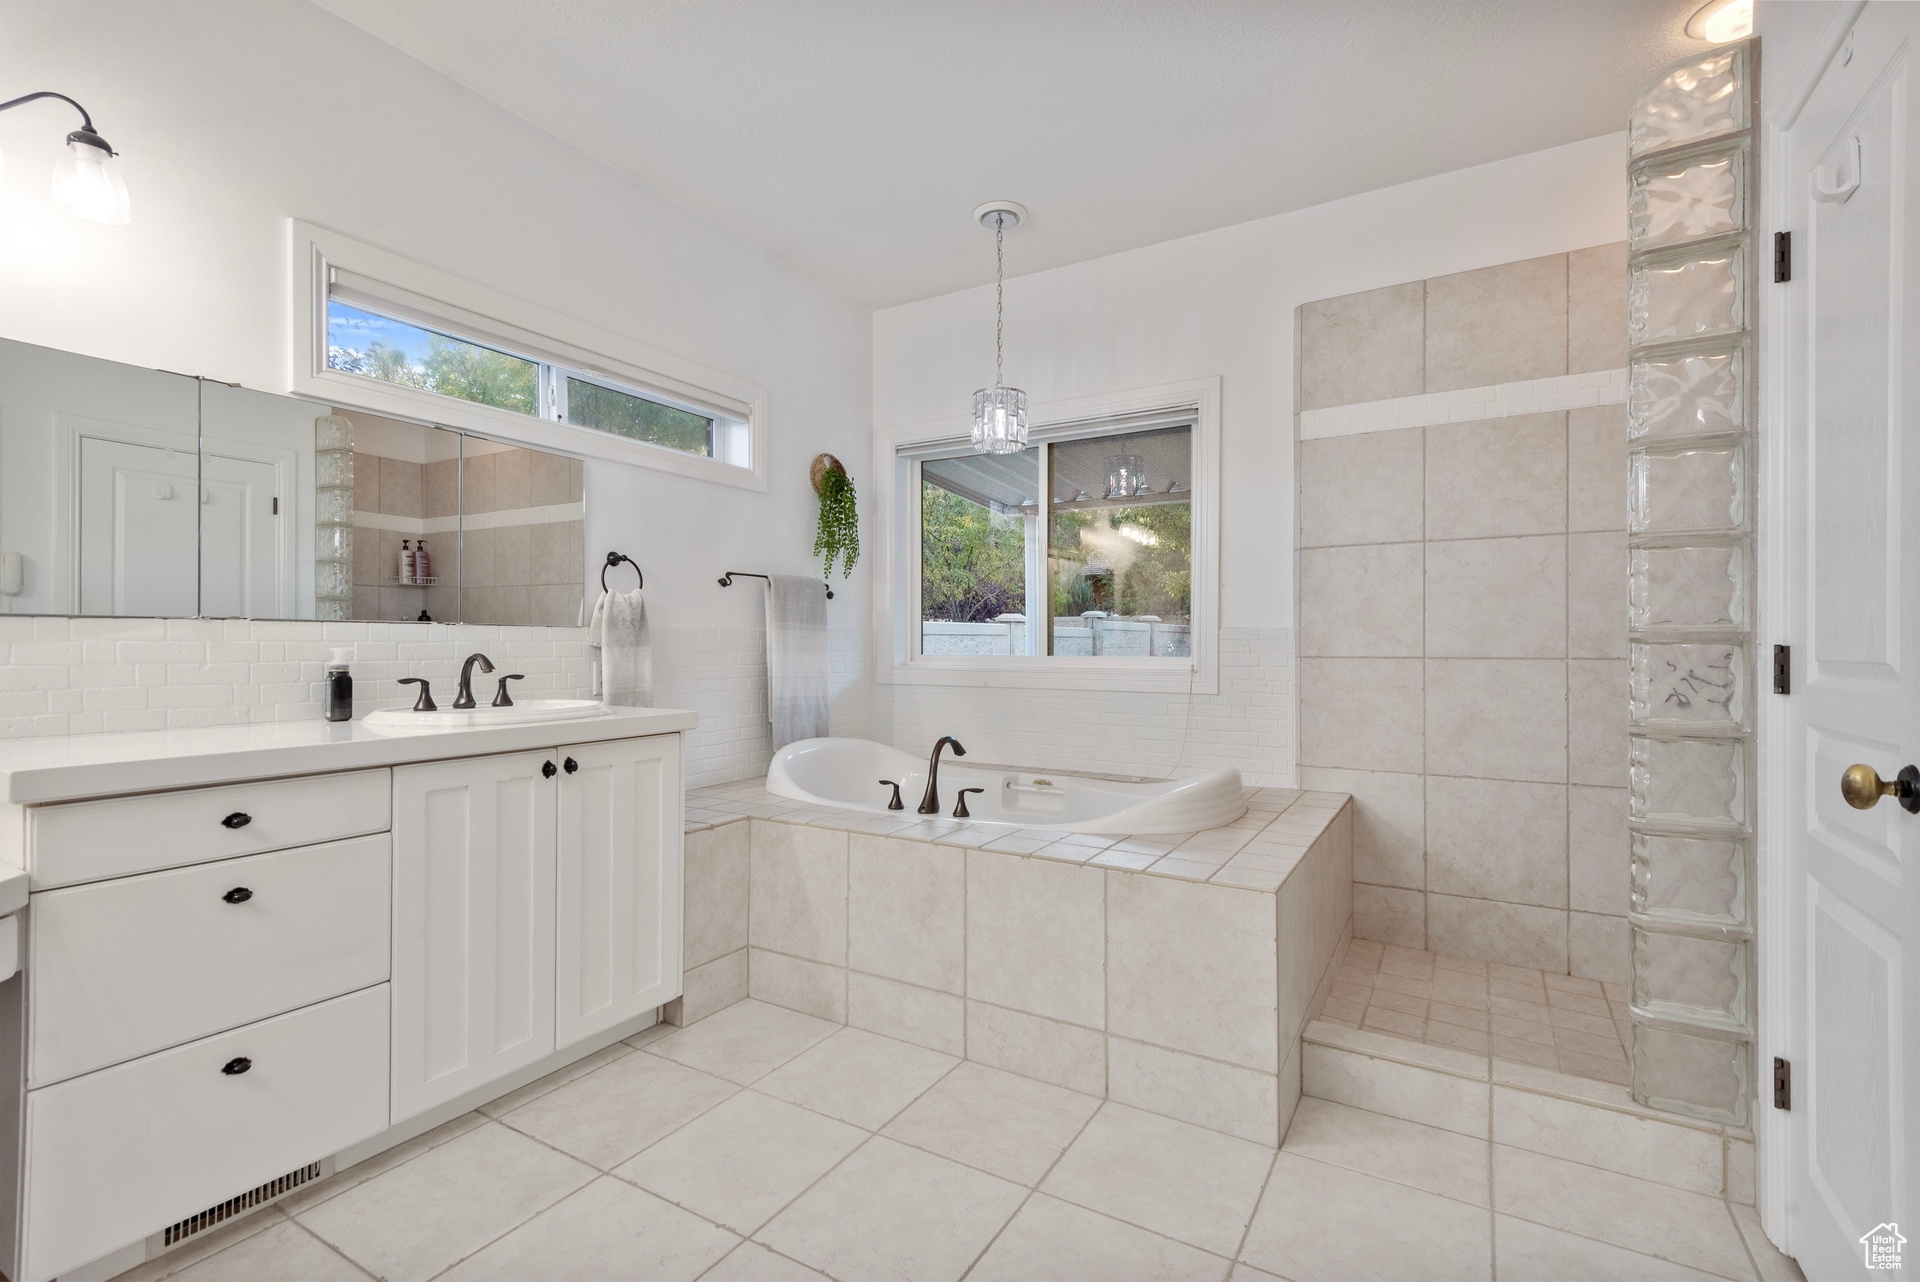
[1172,974]
[1462,643]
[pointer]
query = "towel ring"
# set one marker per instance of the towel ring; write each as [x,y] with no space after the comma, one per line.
[615,558]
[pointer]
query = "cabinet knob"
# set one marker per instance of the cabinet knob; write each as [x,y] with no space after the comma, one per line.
[548,770]
[238,819]
[238,895]
[236,1066]
[572,765]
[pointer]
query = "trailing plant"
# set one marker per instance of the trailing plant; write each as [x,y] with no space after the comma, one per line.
[839,533]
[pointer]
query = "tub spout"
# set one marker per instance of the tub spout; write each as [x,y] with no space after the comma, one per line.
[930,801]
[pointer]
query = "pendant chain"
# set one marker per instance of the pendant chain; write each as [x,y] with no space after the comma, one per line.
[999,293]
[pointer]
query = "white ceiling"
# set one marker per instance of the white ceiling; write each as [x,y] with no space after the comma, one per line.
[853,138]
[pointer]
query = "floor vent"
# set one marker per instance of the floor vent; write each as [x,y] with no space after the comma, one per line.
[214,1216]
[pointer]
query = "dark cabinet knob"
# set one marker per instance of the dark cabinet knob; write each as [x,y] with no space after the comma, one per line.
[572,765]
[236,1066]
[238,819]
[548,769]
[238,895]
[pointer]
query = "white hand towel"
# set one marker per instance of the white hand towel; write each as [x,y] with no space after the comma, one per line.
[618,634]
[796,658]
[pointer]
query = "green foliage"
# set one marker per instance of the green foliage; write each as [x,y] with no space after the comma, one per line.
[839,533]
[454,368]
[973,564]
[638,419]
[1156,579]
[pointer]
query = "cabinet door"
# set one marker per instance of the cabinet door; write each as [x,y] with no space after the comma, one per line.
[619,887]
[473,867]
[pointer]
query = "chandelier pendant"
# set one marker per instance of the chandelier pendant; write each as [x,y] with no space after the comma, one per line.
[999,412]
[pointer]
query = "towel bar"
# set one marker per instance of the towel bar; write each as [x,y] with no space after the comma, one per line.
[726,580]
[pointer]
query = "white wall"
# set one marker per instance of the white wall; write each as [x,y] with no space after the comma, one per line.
[232,117]
[1216,304]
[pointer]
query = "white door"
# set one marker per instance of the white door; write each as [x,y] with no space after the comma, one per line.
[240,540]
[139,528]
[1851,897]
[473,870]
[619,888]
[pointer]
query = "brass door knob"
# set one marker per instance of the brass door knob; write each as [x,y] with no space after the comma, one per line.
[1863,787]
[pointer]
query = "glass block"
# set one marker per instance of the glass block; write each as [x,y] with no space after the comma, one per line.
[1696,686]
[333,578]
[1700,97]
[1688,197]
[332,609]
[333,505]
[1693,1074]
[1675,297]
[1698,881]
[1696,392]
[1688,488]
[332,432]
[1687,588]
[1688,781]
[333,543]
[1699,979]
[333,467]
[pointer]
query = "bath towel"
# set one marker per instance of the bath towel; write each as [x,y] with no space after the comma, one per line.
[796,658]
[618,636]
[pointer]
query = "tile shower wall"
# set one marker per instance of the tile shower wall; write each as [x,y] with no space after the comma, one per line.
[1462,643]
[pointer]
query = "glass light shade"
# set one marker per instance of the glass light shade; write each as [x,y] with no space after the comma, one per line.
[87,184]
[999,420]
[1126,476]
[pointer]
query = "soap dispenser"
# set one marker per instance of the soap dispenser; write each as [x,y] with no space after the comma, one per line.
[340,685]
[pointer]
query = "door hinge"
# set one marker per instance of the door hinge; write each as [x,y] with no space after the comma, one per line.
[1782,257]
[1783,669]
[1782,1084]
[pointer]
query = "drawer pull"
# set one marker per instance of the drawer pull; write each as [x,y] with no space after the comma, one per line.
[238,895]
[238,819]
[236,1066]
[547,769]
[572,765]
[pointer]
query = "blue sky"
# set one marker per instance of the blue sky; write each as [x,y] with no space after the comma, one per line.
[352,328]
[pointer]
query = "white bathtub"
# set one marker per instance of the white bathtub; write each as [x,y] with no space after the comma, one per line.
[844,773]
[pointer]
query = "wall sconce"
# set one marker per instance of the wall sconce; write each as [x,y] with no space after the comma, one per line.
[86,182]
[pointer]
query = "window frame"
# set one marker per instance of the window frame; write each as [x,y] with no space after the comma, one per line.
[413,292]
[896,470]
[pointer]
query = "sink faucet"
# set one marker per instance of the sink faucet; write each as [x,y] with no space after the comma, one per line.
[930,802]
[465,698]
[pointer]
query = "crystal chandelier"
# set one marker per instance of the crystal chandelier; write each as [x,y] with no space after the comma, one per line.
[999,412]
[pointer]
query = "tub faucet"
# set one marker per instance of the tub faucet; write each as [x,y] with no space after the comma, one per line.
[465,698]
[930,801]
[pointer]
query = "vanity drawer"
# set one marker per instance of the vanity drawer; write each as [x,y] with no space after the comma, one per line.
[125,967]
[90,840]
[118,1154]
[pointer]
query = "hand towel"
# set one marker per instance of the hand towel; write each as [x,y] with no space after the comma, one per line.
[796,658]
[618,634]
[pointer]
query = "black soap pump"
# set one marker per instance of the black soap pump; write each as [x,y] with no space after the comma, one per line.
[340,685]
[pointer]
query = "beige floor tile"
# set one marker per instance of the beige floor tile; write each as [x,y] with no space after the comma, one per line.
[1523,1051]
[1772,1266]
[1389,982]
[651,1033]
[199,1248]
[1247,1273]
[1054,1239]
[1567,1041]
[1321,1223]
[1425,1157]
[1400,1003]
[555,1080]
[608,1229]
[1656,1219]
[609,1115]
[1011,1126]
[1459,1016]
[1194,1185]
[283,1252]
[360,1172]
[751,1262]
[1574,1021]
[744,1042]
[745,1160]
[1523,1029]
[857,1077]
[1472,1040]
[1394,1022]
[1343,1012]
[1518,1008]
[892,1212]
[411,1222]
[1617,1071]
[1526,1252]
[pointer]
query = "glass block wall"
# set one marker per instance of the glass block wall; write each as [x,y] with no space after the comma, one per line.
[1690,270]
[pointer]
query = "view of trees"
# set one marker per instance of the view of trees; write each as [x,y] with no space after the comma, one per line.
[973,563]
[590,405]
[450,367]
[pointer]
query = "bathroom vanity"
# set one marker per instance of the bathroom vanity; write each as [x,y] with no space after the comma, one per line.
[245,951]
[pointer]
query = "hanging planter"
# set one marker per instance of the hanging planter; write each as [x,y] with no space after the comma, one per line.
[838,536]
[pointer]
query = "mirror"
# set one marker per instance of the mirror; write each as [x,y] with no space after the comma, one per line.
[136,492]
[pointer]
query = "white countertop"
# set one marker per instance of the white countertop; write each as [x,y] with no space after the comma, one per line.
[70,767]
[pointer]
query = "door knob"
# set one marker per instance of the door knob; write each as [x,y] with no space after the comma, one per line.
[1863,787]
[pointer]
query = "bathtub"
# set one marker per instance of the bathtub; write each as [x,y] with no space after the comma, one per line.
[843,773]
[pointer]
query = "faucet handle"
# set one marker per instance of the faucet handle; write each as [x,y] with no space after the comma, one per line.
[896,803]
[500,698]
[960,810]
[425,702]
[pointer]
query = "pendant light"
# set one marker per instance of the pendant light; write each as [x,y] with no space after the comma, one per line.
[86,181]
[999,412]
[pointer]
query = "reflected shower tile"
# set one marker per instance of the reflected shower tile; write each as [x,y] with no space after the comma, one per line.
[1700,97]
[1689,880]
[1678,490]
[1688,781]
[1672,297]
[1698,979]
[1686,198]
[1694,392]
[1687,587]
[1685,685]
[1694,1074]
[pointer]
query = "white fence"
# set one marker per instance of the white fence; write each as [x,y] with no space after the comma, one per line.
[1086,635]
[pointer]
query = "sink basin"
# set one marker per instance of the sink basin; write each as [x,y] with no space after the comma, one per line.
[524,712]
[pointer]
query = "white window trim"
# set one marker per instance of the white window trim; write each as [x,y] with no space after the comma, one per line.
[472,310]
[896,593]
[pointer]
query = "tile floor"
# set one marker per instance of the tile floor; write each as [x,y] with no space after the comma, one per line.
[1576,1026]
[762,1145]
